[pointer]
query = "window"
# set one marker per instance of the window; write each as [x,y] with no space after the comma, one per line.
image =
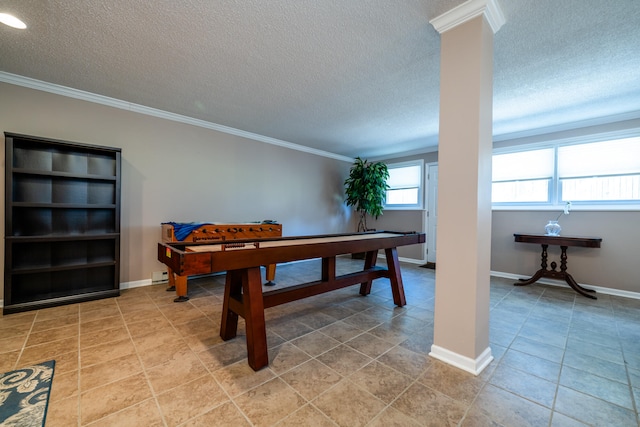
[405,185]
[603,172]
[521,177]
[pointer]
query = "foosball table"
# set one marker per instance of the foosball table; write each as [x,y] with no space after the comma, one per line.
[216,232]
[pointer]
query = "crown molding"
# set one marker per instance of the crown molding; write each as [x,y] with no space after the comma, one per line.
[467,11]
[27,82]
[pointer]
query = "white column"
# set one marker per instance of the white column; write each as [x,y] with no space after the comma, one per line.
[461,330]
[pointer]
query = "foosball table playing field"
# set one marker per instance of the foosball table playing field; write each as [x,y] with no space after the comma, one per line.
[211,232]
[241,259]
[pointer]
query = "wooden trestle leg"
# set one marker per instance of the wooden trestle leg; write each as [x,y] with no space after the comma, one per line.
[243,297]
[370,259]
[395,277]
[232,292]
[397,288]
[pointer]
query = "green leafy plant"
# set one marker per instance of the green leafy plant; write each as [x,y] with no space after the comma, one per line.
[366,189]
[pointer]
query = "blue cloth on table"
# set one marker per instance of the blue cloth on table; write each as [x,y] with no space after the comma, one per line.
[182,229]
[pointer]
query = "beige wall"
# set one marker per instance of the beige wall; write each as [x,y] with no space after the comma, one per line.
[614,265]
[406,220]
[392,220]
[178,172]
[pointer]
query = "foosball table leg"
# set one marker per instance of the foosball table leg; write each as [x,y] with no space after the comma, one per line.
[172,280]
[270,275]
[181,289]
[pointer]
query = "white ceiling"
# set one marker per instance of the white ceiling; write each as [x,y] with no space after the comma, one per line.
[349,77]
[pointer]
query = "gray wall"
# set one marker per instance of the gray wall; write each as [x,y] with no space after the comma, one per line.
[179,172]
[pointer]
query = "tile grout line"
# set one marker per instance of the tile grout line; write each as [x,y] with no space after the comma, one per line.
[564,352]
[212,376]
[499,362]
[79,398]
[634,404]
[144,369]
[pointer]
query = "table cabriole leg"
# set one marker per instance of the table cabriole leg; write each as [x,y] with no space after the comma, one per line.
[589,293]
[569,278]
[538,274]
[562,274]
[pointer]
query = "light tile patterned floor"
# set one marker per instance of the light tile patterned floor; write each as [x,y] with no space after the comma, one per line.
[335,359]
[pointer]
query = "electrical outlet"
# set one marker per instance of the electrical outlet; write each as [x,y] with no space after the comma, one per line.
[159,276]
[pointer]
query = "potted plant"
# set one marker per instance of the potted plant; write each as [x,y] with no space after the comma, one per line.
[366,189]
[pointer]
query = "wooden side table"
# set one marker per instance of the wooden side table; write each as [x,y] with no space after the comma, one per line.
[563,242]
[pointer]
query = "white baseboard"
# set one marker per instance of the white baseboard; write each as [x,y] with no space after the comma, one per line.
[382,255]
[515,277]
[412,261]
[136,284]
[473,366]
[552,282]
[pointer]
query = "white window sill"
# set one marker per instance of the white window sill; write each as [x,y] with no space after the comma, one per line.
[574,208]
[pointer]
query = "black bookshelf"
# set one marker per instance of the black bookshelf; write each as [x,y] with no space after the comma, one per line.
[62,222]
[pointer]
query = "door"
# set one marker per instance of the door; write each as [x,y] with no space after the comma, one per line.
[432,212]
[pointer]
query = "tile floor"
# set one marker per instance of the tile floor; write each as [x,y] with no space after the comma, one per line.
[337,359]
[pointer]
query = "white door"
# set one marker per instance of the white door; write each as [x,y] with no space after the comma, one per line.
[432,211]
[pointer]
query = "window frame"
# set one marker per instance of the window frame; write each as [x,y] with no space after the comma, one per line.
[420,188]
[555,188]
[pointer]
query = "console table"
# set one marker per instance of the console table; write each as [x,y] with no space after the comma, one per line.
[563,242]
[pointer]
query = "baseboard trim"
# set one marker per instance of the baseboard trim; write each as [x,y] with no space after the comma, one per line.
[382,255]
[473,366]
[515,277]
[560,283]
[136,284]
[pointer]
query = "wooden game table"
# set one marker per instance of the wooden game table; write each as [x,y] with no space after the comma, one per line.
[217,232]
[241,259]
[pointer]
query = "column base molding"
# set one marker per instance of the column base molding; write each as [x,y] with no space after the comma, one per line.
[473,366]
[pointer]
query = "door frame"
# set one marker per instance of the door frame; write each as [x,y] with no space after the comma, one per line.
[431,211]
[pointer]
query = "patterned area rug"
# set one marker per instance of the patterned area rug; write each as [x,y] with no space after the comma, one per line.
[24,395]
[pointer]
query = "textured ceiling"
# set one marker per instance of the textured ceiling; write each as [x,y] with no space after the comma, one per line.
[353,78]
